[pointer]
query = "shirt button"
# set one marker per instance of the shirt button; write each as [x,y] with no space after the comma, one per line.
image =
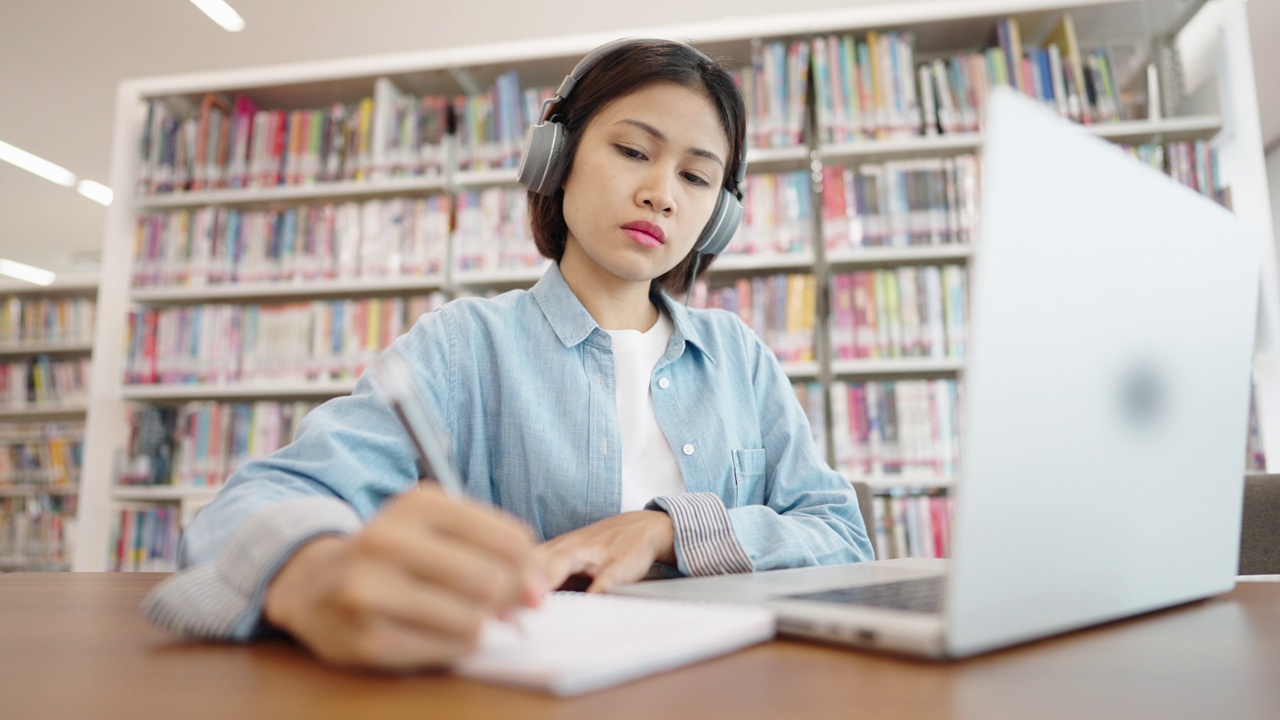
[687,449]
[664,383]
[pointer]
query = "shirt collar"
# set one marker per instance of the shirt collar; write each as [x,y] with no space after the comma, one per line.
[569,319]
[684,325]
[573,324]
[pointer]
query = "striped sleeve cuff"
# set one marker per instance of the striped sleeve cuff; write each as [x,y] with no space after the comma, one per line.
[222,599]
[705,543]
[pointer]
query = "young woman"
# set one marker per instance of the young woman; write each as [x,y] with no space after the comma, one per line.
[621,432]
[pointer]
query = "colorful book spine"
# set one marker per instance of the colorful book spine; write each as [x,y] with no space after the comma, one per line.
[38,530]
[43,382]
[1192,163]
[492,231]
[397,237]
[776,85]
[779,308]
[235,143]
[929,201]
[1079,85]
[262,343]
[37,320]
[912,523]
[144,538]
[200,444]
[907,429]
[44,454]
[910,311]
[777,215]
[811,397]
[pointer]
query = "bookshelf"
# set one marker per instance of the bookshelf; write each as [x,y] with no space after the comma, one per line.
[1174,129]
[45,346]
[258,197]
[278,291]
[1223,114]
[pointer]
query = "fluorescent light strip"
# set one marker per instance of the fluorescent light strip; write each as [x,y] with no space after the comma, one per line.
[95,191]
[26,273]
[34,164]
[221,13]
[37,165]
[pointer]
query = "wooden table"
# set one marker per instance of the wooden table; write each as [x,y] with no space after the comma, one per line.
[76,646]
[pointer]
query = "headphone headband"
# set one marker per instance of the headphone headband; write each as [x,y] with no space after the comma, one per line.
[592,58]
[587,62]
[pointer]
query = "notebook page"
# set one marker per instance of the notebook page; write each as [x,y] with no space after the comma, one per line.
[576,643]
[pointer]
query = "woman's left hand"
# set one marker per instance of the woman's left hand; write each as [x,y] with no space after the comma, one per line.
[616,550]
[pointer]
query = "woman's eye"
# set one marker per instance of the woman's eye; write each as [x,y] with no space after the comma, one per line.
[630,152]
[695,180]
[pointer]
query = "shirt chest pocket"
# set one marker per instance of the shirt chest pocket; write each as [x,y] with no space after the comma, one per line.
[748,476]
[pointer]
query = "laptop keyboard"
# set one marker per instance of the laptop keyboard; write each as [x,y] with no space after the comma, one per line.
[922,595]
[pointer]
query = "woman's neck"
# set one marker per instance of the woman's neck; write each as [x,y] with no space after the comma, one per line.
[614,304]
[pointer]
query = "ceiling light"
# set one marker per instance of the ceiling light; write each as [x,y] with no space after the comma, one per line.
[38,165]
[221,13]
[95,191]
[26,273]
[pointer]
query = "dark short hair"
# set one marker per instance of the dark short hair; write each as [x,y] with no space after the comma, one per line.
[621,72]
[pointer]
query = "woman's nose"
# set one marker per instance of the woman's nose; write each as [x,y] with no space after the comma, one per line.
[656,194]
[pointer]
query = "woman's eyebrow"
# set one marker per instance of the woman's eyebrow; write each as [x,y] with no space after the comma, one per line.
[661,137]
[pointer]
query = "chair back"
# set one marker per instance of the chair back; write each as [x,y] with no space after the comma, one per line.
[868,510]
[1260,526]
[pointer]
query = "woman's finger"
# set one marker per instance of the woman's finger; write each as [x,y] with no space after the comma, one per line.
[564,560]
[480,525]
[622,568]
[486,531]
[484,579]
[384,591]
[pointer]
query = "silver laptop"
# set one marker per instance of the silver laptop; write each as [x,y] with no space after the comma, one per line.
[1106,397]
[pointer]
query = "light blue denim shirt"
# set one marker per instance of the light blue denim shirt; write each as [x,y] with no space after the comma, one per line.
[524,382]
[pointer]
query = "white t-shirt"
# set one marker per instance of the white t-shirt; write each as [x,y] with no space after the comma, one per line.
[648,465]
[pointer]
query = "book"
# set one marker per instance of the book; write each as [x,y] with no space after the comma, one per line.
[577,643]
[385,97]
[1063,35]
[210,140]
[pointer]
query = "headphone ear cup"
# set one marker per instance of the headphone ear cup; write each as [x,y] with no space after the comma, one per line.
[540,165]
[723,224]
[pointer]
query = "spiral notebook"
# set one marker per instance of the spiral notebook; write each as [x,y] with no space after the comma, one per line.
[576,643]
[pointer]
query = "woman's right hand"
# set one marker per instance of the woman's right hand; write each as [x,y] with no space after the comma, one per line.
[412,589]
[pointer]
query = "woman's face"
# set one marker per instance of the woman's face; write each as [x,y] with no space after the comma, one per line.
[646,176]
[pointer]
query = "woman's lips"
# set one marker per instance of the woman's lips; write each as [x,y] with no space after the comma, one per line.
[645,233]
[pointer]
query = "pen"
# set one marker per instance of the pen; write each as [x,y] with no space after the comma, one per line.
[430,443]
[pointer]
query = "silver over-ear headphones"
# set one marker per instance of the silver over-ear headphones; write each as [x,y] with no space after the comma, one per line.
[542,166]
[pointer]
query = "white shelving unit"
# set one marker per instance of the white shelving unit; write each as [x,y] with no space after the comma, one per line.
[286,291]
[22,563]
[764,263]
[324,192]
[1229,118]
[75,283]
[44,412]
[846,259]
[81,285]
[30,490]
[896,367]
[45,348]
[162,492]
[907,482]
[296,390]
[1130,131]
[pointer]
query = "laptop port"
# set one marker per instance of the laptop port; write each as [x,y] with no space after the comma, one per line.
[794,625]
[865,636]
